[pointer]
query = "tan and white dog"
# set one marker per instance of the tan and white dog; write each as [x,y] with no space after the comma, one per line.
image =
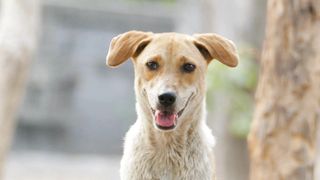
[170,139]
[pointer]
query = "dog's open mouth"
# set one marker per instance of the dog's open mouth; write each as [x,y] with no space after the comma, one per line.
[167,120]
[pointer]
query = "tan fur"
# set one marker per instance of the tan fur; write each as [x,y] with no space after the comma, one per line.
[186,152]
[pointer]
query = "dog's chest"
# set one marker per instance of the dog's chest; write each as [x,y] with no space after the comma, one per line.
[168,163]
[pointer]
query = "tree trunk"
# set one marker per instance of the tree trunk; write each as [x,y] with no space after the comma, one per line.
[317,168]
[282,141]
[18,32]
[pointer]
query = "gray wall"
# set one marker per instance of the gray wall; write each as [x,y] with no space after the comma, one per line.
[74,103]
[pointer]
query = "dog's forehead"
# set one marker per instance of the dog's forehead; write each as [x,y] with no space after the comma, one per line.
[172,44]
[172,39]
[172,35]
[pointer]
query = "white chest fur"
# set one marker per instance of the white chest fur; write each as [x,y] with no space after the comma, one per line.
[151,158]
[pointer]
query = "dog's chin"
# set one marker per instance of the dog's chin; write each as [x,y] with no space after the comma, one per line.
[165,129]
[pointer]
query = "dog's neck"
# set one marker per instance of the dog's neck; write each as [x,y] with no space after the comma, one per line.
[188,126]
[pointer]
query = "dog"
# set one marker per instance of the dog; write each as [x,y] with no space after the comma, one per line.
[170,139]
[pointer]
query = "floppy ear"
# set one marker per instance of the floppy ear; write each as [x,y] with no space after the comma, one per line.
[126,45]
[213,46]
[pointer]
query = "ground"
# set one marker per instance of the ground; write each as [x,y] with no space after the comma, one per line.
[47,166]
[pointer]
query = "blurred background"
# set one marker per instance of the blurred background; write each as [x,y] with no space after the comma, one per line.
[72,122]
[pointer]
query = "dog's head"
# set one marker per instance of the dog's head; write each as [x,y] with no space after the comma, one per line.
[170,70]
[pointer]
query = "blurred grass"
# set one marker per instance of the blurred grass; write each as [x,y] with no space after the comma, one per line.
[239,85]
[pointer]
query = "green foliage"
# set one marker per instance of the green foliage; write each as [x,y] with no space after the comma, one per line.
[238,84]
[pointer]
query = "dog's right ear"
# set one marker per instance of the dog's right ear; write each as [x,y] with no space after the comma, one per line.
[126,45]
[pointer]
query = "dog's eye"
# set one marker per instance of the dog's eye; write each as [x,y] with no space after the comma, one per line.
[152,65]
[188,67]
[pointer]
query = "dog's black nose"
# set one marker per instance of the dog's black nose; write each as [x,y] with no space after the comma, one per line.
[167,99]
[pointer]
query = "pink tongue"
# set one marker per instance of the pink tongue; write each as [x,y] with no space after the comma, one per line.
[165,119]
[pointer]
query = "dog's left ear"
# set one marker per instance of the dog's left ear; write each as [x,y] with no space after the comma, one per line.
[213,46]
[126,45]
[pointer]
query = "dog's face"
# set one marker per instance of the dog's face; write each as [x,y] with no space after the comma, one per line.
[170,70]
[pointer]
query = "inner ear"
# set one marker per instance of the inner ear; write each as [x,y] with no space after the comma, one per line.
[204,51]
[141,47]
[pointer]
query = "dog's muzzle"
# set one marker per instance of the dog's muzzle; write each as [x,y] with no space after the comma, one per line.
[165,115]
